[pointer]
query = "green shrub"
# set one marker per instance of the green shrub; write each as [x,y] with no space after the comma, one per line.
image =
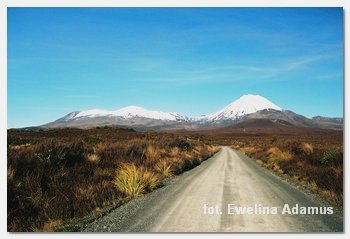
[92,140]
[17,140]
[181,143]
[274,140]
[328,156]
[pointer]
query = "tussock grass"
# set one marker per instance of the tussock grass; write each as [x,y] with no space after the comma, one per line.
[248,150]
[212,148]
[276,155]
[152,153]
[174,152]
[307,148]
[164,168]
[133,181]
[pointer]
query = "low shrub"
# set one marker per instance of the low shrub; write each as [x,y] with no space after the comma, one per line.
[330,156]
[274,140]
[92,140]
[17,141]
[181,144]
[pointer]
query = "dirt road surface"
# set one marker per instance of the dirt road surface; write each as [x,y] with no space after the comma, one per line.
[227,178]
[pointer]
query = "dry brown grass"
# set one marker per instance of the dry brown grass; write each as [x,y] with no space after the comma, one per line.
[152,153]
[10,173]
[276,155]
[94,158]
[307,148]
[57,175]
[174,152]
[213,148]
[165,168]
[312,185]
[337,171]
[50,226]
[248,150]
[335,198]
[19,146]
[313,159]
[332,196]
[135,181]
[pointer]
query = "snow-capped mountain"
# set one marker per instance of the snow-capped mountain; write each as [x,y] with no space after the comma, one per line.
[138,117]
[131,117]
[126,113]
[245,105]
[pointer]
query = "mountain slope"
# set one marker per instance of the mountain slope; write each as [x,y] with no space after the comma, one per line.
[284,115]
[131,116]
[328,122]
[127,113]
[294,119]
[262,123]
[246,104]
[247,107]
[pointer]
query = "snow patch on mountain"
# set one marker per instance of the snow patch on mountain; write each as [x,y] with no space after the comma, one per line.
[127,113]
[246,104]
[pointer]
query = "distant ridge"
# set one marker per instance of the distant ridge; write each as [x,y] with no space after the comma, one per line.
[245,108]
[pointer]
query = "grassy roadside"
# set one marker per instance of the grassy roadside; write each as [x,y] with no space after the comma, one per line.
[78,224]
[316,167]
[57,177]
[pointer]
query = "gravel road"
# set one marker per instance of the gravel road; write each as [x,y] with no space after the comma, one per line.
[203,200]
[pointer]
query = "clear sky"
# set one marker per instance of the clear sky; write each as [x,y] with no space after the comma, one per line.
[191,61]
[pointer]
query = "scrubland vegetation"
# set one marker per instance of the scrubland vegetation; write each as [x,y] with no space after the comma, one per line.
[314,160]
[55,176]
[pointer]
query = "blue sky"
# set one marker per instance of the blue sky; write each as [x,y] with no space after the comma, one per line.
[192,61]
